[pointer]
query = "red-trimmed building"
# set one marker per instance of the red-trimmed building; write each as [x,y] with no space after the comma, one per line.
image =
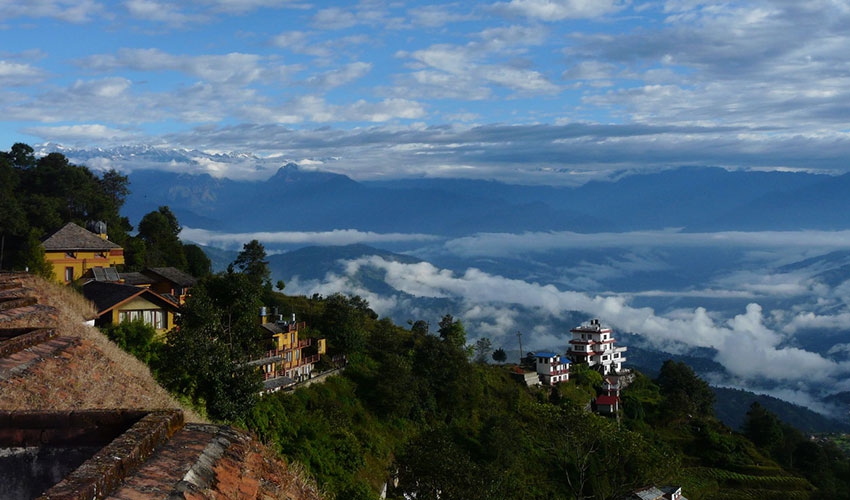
[593,344]
[551,368]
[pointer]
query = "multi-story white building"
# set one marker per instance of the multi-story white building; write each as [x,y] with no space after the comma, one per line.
[594,344]
[551,368]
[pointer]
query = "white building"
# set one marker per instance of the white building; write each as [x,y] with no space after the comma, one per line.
[594,344]
[551,368]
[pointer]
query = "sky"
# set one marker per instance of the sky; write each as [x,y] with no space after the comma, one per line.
[536,90]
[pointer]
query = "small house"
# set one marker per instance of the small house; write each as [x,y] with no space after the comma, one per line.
[116,303]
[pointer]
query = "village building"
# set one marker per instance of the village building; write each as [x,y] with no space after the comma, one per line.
[117,302]
[655,493]
[593,344]
[291,358]
[551,368]
[74,251]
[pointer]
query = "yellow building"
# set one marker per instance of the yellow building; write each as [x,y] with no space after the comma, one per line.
[117,303]
[291,358]
[73,251]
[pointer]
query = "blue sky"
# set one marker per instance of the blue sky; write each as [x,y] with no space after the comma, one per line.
[534,90]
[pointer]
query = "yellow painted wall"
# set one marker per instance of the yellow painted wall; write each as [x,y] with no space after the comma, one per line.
[141,304]
[82,262]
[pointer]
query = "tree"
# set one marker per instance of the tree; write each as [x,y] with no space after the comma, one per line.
[160,232]
[252,262]
[483,348]
[452,331]
[205,358]
[135,337]
[197,262]
[763,428]
[22,155]
[345,322]
[500,356]
[684,393]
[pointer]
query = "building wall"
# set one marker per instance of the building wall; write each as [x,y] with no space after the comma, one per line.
[141,304]
[80,262]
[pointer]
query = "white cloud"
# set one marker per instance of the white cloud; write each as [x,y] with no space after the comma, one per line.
[14,74]
[84,133]
[158,11]
[233,68]
[73,11]
[341,76]
[745,346]
[502,244]
[558,10]
[335,237]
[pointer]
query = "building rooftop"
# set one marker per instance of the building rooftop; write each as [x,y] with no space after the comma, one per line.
[171,274]
[72,237]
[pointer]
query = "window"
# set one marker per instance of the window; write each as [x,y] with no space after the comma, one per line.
[69,274]
[152,317]
[70,255]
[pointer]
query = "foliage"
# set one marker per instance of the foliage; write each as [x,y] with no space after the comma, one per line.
[483,348]
[160,233]
[197,262]
[345,323]
[135,337]
[685,394]
[500,356]
[252,262]
[204,358]
[39,195]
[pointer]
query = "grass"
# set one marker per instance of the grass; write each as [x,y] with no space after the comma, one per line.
[92,373]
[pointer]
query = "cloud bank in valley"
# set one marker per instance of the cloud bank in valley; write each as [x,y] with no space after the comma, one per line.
[749,349]
[273,238]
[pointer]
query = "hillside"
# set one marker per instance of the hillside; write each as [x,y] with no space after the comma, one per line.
[74,372]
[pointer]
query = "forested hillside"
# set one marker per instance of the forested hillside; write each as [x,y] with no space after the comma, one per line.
[418,409]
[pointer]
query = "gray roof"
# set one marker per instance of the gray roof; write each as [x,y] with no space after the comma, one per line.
[73,237]
[109,295]
[171,274]
[134,278]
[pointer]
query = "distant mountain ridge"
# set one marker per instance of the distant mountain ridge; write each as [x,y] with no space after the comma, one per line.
[691,198]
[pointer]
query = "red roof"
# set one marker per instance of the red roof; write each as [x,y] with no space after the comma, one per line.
[607,400]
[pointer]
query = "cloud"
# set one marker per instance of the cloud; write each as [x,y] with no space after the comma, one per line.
[71,134]
[233,68]
[341,76]
[745,346]
[434,16]
[475,66]
[335,237]
[13,74]
[558,10]
[73,11]
[504,245]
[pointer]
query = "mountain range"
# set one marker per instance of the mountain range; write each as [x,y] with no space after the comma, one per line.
[694,199]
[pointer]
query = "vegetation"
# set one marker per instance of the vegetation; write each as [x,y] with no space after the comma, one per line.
[39,195]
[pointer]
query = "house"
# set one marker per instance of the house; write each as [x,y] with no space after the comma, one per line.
[655,493]
[291,358]
[551,368]
[117,302]
[594,344]
[607,405]
[171,282]
[73,251]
